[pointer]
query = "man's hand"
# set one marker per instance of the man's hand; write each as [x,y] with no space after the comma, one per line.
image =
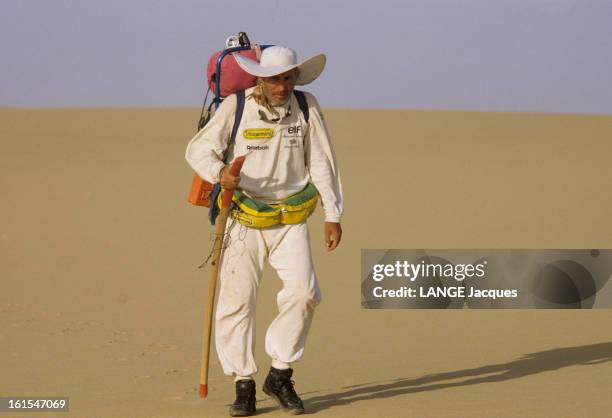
[333,233]
[228,181]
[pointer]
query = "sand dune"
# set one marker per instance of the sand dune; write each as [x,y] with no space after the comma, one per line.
[102,300]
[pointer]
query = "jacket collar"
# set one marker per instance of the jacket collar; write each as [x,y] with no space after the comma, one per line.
[277,114]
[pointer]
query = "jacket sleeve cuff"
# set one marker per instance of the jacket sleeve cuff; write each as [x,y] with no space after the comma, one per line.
[214,171]
[333,218]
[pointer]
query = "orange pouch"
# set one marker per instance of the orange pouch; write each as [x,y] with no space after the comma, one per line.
[199,194]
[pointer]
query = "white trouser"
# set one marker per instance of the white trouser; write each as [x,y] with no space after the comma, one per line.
[287,247]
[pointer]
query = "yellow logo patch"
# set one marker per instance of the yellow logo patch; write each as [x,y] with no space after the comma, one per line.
[258,133]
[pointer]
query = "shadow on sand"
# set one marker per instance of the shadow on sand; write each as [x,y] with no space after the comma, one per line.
[529,364]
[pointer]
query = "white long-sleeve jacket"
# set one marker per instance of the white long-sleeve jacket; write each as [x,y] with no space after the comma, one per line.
[284,153]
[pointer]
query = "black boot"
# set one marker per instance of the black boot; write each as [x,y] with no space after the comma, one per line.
[279,386]
[244,405]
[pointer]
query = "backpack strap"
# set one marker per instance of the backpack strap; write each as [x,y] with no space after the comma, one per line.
[237,118]
[301,99]
[213,210]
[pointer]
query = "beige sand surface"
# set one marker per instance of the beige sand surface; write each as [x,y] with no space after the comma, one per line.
[101,299]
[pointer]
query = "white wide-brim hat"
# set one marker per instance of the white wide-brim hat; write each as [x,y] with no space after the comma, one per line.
[276,60]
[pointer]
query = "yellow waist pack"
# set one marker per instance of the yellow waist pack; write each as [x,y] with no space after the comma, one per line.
[292,210]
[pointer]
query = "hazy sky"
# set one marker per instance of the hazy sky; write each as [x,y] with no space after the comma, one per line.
[507,55]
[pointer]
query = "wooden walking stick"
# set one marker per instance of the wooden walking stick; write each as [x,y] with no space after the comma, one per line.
[214,274]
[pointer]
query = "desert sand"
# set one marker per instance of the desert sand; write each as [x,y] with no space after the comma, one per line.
[102,300]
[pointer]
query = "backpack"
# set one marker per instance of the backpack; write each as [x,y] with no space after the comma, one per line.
[205,194]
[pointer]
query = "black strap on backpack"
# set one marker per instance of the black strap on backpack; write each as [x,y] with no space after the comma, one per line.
[237,118]
[301,99]
[213,210]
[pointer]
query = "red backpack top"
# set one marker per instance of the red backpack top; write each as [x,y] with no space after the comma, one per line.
[233,77]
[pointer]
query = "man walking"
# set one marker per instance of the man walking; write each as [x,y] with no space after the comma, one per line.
[290,164]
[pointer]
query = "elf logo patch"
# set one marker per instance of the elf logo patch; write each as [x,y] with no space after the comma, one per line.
[258,133]
[295,130]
